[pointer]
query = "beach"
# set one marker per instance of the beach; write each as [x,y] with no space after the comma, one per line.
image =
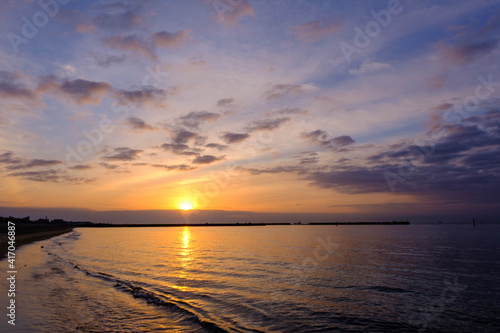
[30,232]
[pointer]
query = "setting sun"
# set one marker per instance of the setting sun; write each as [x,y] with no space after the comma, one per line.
[186,206]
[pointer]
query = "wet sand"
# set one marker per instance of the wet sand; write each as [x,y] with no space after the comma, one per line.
[28,233]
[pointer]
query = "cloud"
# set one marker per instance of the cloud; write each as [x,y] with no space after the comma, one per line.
[123,154]
[117,16]
[281,90]
[83,28]
[216,146]
[195,118]
[39,176]
[85,92]
[225,102]
[179,167]
[200,140]
[81,167]
[144,96]
[273,170]
[442,107]
[108,166]
[475,42]
[54,176]
[106,61]
[352,179]
[11,88]
[15,163]
[267,124]
[139,125]
[290,112]
[132,43]
[309,160]
[314,30]
[230,138]
[169,39]
[207,159]
[183,136]
[8,158]
[316,136]
[80,91]
[324,139]
[146,45]
[58,175]
[33,164]
[462,167]
[369,66]
[467,51]
[309,157]
[181,149]
[456,141]
[343,140]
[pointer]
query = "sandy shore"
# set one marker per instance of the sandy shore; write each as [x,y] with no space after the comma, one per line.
[28,232]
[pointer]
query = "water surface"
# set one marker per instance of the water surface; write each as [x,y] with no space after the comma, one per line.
[417,278]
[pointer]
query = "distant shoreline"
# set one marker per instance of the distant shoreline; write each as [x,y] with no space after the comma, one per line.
[27,233]
[89,224]
[137,225]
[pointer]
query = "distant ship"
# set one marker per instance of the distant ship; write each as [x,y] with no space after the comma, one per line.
[473,222]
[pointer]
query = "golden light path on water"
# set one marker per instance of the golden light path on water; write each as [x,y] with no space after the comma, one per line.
[185,256]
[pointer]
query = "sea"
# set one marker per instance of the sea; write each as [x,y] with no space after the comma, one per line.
[296,278]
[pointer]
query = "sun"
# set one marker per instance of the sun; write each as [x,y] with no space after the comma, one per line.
[186,206]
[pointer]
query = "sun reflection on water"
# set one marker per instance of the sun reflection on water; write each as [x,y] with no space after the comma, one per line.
[185,257]
[186,235]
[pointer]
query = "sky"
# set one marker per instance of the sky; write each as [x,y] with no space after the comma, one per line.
[346,109]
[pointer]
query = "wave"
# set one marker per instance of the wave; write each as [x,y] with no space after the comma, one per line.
[153,298]
[383,289]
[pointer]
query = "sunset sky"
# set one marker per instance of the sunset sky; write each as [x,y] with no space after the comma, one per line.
[335,107]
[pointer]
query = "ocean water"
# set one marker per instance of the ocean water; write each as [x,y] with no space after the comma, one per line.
[416,278]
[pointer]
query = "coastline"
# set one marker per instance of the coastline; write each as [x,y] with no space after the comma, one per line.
[29,234]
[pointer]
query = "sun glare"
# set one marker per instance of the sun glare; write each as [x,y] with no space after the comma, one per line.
[186,206]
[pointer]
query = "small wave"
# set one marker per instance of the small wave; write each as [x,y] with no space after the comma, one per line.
[152,298]
[72,235]
[383,289]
